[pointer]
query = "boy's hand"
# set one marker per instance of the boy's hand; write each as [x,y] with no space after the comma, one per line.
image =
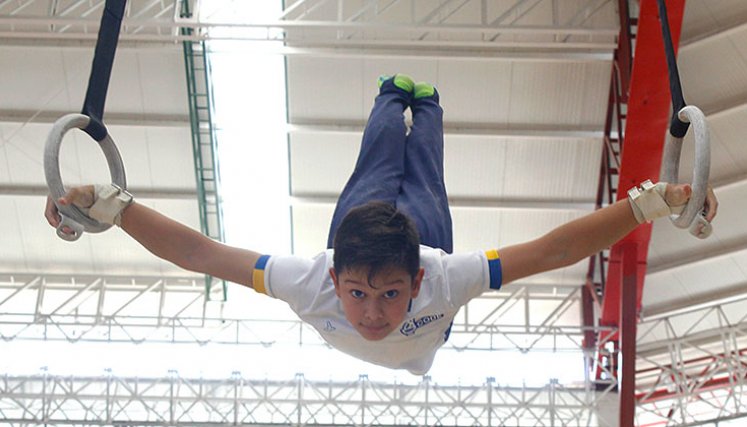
[82,197]
[679,194]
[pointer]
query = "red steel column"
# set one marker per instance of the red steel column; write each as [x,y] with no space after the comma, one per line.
[628,321]
[647,122]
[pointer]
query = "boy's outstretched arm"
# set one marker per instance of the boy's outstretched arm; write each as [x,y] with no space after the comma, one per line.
[171,240]
[583,237]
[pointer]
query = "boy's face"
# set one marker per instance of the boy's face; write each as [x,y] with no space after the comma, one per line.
[375,311]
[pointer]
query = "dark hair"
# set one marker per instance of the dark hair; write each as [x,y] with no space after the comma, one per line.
[375,236]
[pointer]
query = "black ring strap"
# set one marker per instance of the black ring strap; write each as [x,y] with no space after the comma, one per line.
[677,127]
[101,70]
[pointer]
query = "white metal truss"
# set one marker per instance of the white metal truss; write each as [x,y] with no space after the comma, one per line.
[543,27]
[692,364]
[109,309]
[173,400]
[174,310]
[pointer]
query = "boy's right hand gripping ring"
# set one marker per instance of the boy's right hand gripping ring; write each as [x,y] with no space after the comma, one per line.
[72,217]
[692,217]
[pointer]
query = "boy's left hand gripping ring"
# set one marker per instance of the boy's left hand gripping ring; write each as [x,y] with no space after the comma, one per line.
[691,217]
[72,217]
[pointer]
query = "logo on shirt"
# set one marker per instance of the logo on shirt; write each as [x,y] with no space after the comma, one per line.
[329,327]
[413,325]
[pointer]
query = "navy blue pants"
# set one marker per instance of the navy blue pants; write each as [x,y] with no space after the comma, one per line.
[403,170]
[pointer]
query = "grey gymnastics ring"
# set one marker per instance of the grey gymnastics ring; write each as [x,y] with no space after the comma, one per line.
[701,171]
[72,216]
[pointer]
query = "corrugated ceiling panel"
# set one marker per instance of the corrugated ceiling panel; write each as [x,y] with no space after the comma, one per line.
[30,244]
[475,166]
[156,76]
[170,156]
[670,244]
[310,228]
[489,227]
[501,93]
[713,71]
[120,254]
[21,153]
[325,89]
[476,93]
[145,81]
[5,169]
[479,229]
[703,17]
[157,157]
[485,228]
[563,93]
[320,163]
[12,226]
[42,79]
[690,283]
[551,170]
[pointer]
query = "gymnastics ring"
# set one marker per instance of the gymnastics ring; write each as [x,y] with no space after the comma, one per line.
[692,216]
[72,216]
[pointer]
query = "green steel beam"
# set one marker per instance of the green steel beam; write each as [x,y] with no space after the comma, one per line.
[204,141]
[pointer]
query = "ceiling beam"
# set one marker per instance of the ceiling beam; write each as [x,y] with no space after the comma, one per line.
[726,107]
[53,23]
[722,297]
[9,189]
[540,52]
[473,203]
[382,49]
[724,249]
[726,182]
[112,118]
[554,131]
[16,39]
[716,32]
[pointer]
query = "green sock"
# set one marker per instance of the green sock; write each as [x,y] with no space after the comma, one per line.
[402,81]
[423,90]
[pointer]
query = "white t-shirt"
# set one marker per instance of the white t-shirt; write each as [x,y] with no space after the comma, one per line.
[449,282]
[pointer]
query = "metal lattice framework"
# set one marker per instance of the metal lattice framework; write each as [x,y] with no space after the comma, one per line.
[110,309]
[427,27]
[99,309]
[692,364]
[173,400]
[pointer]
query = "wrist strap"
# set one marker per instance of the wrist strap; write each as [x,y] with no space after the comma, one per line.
[648,201]
[111,200]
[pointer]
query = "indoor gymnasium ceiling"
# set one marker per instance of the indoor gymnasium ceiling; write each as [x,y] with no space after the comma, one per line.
[524,118]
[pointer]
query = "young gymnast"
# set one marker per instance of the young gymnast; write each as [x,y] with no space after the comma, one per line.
[388,287]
